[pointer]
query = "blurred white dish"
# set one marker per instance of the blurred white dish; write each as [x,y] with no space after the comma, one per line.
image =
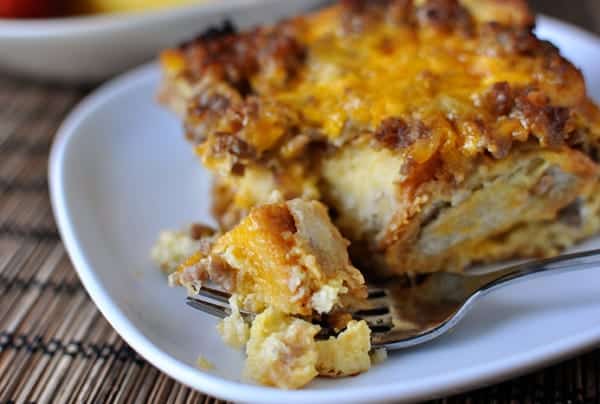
[92,48]
[121,171]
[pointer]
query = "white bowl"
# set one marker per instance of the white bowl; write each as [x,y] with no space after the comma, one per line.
[120,171]
[92,48]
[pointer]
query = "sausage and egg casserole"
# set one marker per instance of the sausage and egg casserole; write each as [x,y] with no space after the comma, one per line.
[438,133]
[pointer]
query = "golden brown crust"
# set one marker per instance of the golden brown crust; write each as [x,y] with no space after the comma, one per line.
[509,12]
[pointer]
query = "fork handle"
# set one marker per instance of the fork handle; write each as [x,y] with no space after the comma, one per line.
[562,263]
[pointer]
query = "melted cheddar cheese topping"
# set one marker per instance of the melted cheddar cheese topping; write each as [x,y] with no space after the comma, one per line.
[451,76]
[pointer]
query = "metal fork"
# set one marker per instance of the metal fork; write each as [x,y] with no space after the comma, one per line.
[404,313]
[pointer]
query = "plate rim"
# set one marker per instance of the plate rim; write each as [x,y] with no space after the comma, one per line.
[207,383]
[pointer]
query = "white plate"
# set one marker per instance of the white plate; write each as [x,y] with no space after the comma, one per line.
[91,48]
[120,171]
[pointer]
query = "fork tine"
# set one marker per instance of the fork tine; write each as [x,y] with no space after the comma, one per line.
[211,307]
[223,304]
[376,311]
[382,320]
[375,292]
[374,316]
[207,307]
[372,311]
[374,304]
[214,294]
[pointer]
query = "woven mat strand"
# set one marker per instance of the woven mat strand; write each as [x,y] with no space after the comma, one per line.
[56,346]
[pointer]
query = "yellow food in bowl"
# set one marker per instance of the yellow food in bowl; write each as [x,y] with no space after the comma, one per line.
[119,6]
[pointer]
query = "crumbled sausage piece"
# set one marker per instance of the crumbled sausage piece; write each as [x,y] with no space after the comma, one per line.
[236,58]
[199,231]
[220,272]
[546,122]
[228,143]
[499,99]
[395,133]
[445,15]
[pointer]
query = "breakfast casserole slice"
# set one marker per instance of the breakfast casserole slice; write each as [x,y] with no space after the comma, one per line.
[440,133]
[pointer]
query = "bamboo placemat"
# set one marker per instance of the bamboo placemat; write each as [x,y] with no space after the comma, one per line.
[56,346]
